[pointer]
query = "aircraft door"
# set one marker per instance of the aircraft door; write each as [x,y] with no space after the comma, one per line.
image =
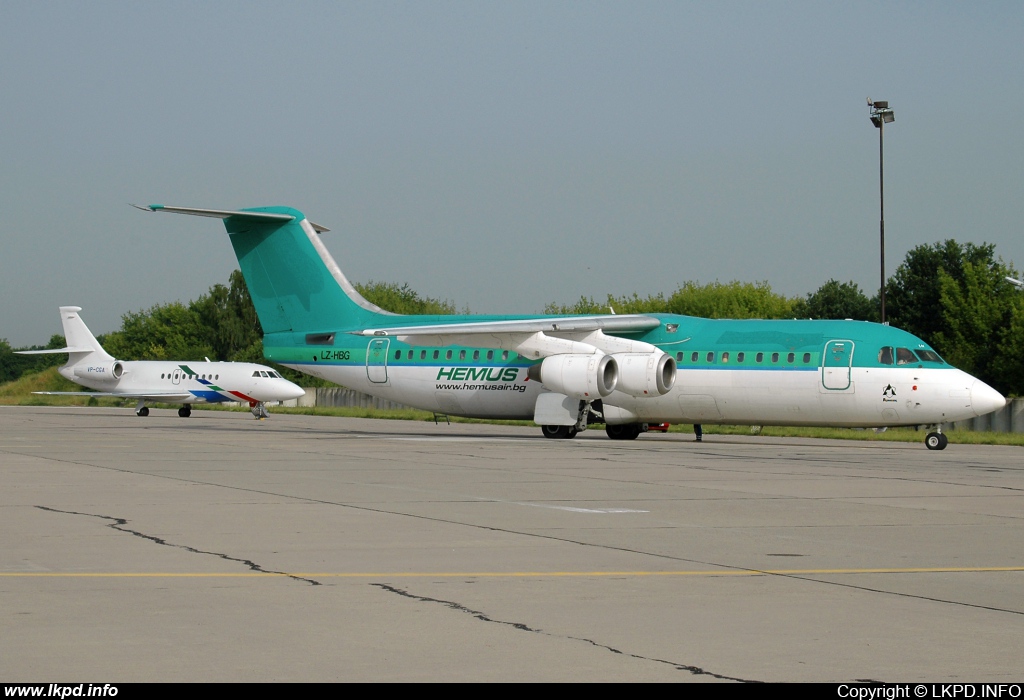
[377,360]
[176,376]
[836,363]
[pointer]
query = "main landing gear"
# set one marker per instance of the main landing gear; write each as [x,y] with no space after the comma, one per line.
[936,441]
[185,411]
[559,432]
[630,431]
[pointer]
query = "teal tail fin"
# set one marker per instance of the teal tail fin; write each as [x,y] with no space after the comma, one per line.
[294,282]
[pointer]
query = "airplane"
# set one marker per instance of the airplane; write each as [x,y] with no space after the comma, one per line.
[568,372]
[168,381]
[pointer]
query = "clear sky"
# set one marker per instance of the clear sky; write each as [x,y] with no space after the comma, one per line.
[501,155]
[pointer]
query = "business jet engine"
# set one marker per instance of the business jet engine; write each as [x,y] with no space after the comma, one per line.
[584,377]
[645,373]
[110,372]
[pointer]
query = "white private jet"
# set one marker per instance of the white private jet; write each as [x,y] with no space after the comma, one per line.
[567,372]
[168,381]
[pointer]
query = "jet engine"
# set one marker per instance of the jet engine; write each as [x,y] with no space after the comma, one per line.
[645,374]
[584,377]
[101,373]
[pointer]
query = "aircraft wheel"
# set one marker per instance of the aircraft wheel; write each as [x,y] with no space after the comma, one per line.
[936,441]
[184,412]
[142,412]
[559,432]
[623,432]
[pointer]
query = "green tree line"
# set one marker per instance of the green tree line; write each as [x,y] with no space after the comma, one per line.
[954,296]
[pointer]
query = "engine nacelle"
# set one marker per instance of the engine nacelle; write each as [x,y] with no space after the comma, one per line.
[109,372]
[584,377]
[645,374]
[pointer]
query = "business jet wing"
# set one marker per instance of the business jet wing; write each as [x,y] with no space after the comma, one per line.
[169,396]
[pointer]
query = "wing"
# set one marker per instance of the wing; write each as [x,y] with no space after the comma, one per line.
[170,397]
[534,337]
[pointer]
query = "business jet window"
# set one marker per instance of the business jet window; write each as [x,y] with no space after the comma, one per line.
[740,356]
[905,356]
[791,358]
[885,356]
[759,358]
[929,356]
[807,358]
[161,375]
[216,377]
[775,357]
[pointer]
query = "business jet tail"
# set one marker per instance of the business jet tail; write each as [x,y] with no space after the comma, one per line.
[81,343]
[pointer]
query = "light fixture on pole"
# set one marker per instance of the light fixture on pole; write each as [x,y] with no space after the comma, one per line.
[880,116]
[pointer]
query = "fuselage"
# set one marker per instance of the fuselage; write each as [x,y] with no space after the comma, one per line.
[197,382]
[837,373]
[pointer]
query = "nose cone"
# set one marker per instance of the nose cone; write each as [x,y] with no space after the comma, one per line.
[985,399]
[292,391]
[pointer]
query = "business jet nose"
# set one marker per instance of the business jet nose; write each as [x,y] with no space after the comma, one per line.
[985,399]
[294,391]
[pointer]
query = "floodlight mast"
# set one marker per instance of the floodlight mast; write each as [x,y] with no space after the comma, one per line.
[881,115]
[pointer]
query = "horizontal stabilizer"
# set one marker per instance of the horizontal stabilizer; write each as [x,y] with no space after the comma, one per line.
[51,352]
[228,214]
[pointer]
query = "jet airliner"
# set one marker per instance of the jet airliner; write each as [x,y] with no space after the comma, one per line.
[166,381]
[568,372]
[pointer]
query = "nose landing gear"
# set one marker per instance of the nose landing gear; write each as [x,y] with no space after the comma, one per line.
[936,441]
[258,410]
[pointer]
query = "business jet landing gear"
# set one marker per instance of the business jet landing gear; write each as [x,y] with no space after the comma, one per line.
[185,411]
[259,412]
[630,431]
[936,441]
[141,410]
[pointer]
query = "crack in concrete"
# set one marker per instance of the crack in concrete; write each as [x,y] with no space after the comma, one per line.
[695,670]
[119,523]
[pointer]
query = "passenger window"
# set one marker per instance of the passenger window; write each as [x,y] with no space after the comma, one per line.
[885,356]
[490,354]
[437,353]
[905,356]
[448,355]
[398,354]
[711,357]
[216,377]
[679,357]
[694,356]
[476,354]
[409,355]
[790,358]
[423,354]
[725,358]
[807,358]
[504,354]
[462,354]
[161,375]
[775,357]
[759,358]
[739,357]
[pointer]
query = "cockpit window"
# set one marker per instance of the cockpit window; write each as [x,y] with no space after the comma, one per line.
[905,356]
[256,373]
[885,356]
[929,356]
